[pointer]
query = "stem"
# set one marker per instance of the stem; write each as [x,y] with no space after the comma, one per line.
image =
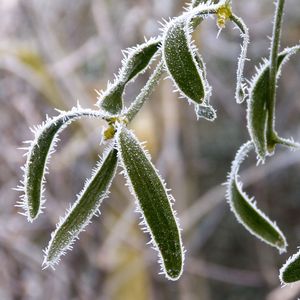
[145,92]
[271,133]
[240,93]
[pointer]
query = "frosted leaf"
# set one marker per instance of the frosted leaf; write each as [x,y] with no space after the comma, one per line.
[179,56]
[135,62]
[290,271]
[154,203]
[38,155]
[82,211]
[245,210]
[257,112]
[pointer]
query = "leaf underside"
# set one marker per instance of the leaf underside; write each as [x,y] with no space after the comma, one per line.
[153,201]
[245,210]
[80,214]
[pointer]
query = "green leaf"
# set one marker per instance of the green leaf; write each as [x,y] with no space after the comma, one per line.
[111,99]
[182,62]
[136,61]
[81,212]
[245,210]
[38,155]
[257,113]
[290,271]
[154,202]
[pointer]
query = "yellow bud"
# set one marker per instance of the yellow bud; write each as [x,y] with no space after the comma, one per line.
[109,133]
[223,14]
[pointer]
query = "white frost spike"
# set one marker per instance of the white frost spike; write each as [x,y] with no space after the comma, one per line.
[79,215]
[38,155]
[153,201]
[245,210]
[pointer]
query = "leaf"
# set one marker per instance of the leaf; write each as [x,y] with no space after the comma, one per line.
[245,210]
[81,212]
[112,98]
[38,155]
[135,62]
[138,59]
[154,202]
[182,62]
[290,271]
[257,112]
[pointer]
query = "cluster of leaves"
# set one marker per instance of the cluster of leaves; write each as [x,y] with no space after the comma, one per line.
[178,56]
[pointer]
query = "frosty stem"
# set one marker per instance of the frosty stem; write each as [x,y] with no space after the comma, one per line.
[271,133]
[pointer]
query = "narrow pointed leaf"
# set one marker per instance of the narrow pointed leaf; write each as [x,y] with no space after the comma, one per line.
[180,58]
[81,212]
[257,113]
[290,271]
[137,60]
[154,202]
[38,155]
[245,210]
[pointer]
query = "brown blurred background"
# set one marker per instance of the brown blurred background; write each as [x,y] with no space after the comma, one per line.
[53,53]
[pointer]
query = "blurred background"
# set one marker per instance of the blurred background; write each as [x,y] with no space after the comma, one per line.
[53,53]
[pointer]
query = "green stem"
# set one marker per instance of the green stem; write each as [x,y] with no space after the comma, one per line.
[145,92]
[271,133]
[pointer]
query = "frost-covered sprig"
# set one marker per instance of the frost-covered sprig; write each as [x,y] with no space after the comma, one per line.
[181,56]
[38,153]
[245,209]
[264,138]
